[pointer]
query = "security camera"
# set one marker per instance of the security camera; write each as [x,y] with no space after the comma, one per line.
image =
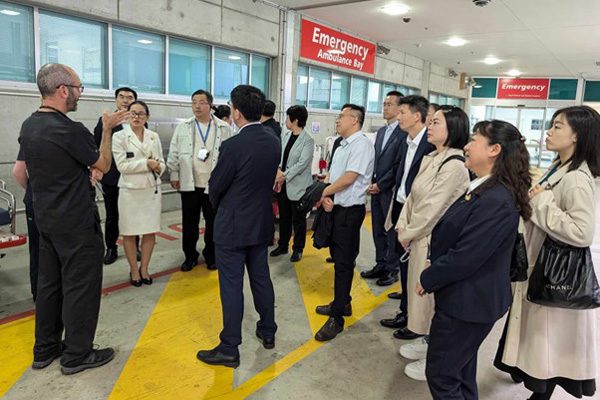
[406,20]
[481,3]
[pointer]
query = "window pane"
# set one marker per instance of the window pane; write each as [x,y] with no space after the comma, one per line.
[231,69]
[189,67]
[340,90]
[260,73]
[16,47]
[138,60]
[79,43]
[359,91]
[413,91]
[319,85]
[388,87]
[403,90]
[302,85]
[374,104]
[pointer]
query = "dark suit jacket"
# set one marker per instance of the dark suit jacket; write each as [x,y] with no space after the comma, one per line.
[384,172]
[241,187]
[111,178]
[274,126]
[471,250]
[424,148]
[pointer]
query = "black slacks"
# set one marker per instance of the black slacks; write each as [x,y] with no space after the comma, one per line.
[111,206]
[68,293]
[192,203]
[452,357]
[230,263]
[345,246]
[394,255]
[34,248]
[380,204]
[290,218]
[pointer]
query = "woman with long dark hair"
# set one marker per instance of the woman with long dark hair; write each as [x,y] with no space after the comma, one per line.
[471,249]
[548,346]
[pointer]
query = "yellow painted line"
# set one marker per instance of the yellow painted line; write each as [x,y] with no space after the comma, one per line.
[16,351]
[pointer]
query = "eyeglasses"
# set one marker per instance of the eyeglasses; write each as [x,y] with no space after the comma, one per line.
[138,114]
[80,87]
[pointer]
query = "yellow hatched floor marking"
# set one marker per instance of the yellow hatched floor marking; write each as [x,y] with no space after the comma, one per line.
[16,354]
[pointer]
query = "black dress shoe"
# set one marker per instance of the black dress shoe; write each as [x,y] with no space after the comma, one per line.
[268,343]
[135,282]
[375,272]
[406,334]
[39,363]
[395,295]
[216,357]
[111,256]
[95,359]
[278,251]
[399,321]
[387,280]
[330,330]
[326,309]
[329,260]
[296,256]
[188,265]
[146,281]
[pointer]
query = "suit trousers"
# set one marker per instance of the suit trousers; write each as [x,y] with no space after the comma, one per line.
[289,217]
[230,262]
[452,356]
[34,248]
[380,204]
[345,246]
[192,203]
[395,252]
[111,206]
[68,293]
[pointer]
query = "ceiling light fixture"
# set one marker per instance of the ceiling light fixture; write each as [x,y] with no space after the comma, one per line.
[234,57]
[144,41]
[477,86]
[395,9]
[514,72]
[491,60]
[455,42]
[10,12]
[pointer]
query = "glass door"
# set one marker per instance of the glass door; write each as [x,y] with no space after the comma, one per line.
[531,125]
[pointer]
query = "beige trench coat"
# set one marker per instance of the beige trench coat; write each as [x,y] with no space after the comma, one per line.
[547,342]
[433,192]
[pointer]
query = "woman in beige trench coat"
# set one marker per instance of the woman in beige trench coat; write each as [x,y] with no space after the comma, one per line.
[442,179]
[546,346]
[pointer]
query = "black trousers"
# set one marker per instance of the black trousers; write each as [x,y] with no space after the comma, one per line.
[111,206]
[68,293]
[345,245]
[380,204]
[34,248]
[230,262]
[392,261]
[452,357]
[192,203]
[290,218]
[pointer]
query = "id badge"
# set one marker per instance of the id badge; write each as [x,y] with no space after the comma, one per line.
[203,154]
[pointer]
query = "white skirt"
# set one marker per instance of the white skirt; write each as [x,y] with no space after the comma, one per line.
[139,211]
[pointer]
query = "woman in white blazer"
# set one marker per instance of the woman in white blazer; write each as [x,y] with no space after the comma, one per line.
[139,158]
[547,346]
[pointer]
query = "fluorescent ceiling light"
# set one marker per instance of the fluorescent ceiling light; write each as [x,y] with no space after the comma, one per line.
[145,41]
[455,42]
[234,57]
[395,9]
[477,86]
[514,72]
[491,60]
[335,51]
[10,12]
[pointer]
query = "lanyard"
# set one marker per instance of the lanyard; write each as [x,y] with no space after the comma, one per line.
[549,174]
[57,110]
[204,137]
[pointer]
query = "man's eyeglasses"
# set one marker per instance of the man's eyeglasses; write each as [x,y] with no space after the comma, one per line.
[80,87]
[138,114]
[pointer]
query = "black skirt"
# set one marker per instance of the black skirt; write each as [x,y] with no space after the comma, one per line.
[573,387]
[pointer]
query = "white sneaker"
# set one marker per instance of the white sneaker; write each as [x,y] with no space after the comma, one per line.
[416,370]
[416,350]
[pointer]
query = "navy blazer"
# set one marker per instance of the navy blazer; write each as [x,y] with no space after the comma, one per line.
[241,187]
[471,250]
[424,148]
[384,171]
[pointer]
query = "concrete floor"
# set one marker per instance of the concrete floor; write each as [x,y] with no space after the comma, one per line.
[158,329]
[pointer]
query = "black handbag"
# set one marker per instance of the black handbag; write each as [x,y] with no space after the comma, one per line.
[564,277]
[518,263]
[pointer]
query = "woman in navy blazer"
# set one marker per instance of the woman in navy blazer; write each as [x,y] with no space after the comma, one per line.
[471,249]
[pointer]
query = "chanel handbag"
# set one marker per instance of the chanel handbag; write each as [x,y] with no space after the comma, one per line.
[564,277]
[518,263]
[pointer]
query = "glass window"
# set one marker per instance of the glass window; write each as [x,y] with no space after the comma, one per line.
[359,91]
[374,101]
[260,73]
[319,86]
[138,60]
[340,90]
[388,87]
[189,67]
[434,98]
[231,69]
[403,89]
[17,62]
[302,85]
[79,43]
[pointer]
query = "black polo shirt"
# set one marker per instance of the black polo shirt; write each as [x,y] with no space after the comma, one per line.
[27,199]
[57,152]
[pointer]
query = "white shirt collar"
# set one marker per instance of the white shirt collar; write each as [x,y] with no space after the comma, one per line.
[417,140]
[393,125]
[475,183]
[351,138]
[248,124]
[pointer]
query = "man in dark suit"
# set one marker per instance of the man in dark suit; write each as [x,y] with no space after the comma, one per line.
[412,116]
[268,119]
[381,190]
[241,188]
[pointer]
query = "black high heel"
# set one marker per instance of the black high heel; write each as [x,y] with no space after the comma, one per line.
[136,283]
[145,281]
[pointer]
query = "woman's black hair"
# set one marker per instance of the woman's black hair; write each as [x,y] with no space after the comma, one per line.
[222,111]
[585,122]
[457,123]
[511,168]
[141,103]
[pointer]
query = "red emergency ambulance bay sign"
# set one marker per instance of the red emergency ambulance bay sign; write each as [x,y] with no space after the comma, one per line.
[523,88]
[320,43]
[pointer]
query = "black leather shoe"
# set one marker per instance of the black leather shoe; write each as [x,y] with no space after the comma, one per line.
[40,364]
[278,251]
[146,281]
[111,256]
[296,256]
[395,295]
[95,359]
[326,309]
[399,321]
[216,357]
[268,343]
[406,334]
[188,265]
[329,260]
[375,272]
[388,279]
[330,330]
[135,282]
